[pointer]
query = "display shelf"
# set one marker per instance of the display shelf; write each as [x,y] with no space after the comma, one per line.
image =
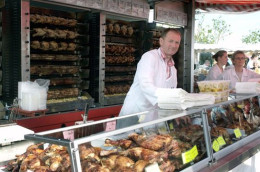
[156,122]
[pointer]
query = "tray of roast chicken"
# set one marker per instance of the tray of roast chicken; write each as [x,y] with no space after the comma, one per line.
[135,151]
[244,115]
[131,152]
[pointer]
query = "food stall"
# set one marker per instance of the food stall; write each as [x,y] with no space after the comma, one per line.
[94,63]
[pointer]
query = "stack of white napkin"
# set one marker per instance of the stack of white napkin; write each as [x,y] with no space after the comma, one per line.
[180,99]
[247,87]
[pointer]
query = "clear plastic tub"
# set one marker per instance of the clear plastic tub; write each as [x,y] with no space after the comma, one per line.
[213,86]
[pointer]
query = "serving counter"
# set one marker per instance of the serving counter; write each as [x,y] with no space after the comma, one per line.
[160,138]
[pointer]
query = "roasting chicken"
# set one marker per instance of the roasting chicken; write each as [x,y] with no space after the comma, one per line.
[243,125]
[50,57]
[108,152]
[71,47]
[71,34]
[90,154]
[63,22]
[36,45]
[116,28]
[61,34]
[39,32]
[117,89]
[119,78]
[54,46]
[154,142]
[45,45]
[220,131]
[93,167]
[114,162]
[140,165]
[123,29]
[63,93]
[50,33]
[63,46]
[139,153]
[130,31]
[53,158]
[110,28]
[191,133]
[124,143]
[167,166]
[64,81]
[72,23]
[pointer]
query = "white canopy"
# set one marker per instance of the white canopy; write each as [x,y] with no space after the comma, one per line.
[229,48]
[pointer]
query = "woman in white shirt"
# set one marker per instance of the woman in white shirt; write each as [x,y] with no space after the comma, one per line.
[221,58]
[238,73]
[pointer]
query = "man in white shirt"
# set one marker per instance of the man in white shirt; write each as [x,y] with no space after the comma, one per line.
[154,70]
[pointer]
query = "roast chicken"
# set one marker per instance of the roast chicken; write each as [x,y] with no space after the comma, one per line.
[154,142]
[124,143]
[57,33]
[52,20]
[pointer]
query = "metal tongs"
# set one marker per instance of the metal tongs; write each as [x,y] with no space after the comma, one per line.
[85,115]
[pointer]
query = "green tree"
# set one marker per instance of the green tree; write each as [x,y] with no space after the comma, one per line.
[252,38]
[211,33]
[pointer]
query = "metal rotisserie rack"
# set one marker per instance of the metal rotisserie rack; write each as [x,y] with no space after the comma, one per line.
[59,51]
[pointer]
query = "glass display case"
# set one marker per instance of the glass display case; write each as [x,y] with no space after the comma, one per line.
[166,140]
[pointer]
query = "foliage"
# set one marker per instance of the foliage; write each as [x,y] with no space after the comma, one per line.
[252,38]
[211,33]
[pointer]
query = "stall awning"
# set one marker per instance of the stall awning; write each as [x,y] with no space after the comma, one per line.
[229,6]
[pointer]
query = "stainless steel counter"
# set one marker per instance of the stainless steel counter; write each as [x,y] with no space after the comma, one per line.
[8,152]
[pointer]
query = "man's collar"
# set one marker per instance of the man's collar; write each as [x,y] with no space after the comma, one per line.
[169,62]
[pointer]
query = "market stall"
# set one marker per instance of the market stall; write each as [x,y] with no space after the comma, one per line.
[89,51]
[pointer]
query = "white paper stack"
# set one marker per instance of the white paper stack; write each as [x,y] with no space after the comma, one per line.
[247,87]
[180,99]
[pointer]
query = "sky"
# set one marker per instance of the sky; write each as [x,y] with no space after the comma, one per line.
[240,24]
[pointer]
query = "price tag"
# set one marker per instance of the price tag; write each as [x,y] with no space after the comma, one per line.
[215,146]
[221,141]
[190,155]
[237,133]
[110,126]
[153,167]
[171,126]
[68,135]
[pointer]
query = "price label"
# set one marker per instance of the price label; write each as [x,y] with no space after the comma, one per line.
[110,126]
[215,146]
[221,141]
[68,135]
[153,167]
[171,126]
[190,155]
[237,133]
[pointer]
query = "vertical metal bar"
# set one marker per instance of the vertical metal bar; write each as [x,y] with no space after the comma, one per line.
[207,135]
[73,150]
[258,96]
[25,40]
[102,54]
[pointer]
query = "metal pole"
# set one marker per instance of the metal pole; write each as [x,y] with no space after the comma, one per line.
[73,150]
[207,135]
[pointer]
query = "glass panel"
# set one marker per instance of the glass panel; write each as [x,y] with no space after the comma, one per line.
[233,121]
